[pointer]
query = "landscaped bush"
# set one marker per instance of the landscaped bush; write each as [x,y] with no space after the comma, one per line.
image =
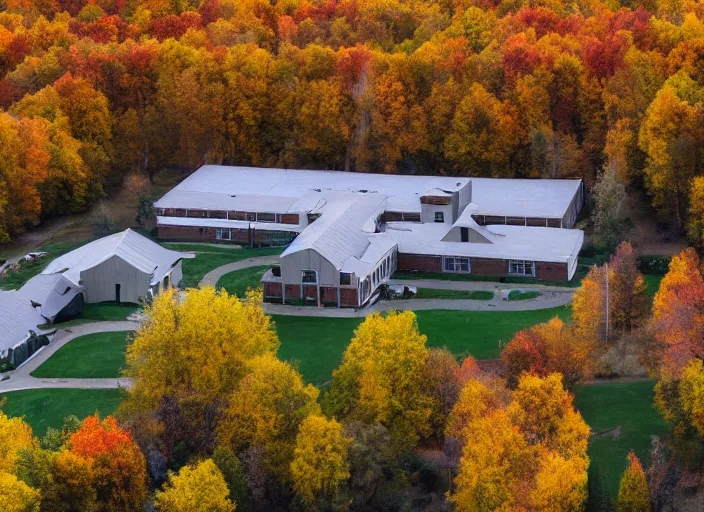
[654,264]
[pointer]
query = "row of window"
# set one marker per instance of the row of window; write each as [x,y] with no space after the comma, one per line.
[230,215]
[461,264]
[486,220]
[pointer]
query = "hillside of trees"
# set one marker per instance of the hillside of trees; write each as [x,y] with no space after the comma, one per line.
[90,91]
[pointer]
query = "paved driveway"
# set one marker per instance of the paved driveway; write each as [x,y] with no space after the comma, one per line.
[21,379]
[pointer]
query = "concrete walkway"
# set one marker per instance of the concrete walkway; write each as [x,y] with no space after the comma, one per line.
[546,301]
[21,379]
[211,278]
[552,296]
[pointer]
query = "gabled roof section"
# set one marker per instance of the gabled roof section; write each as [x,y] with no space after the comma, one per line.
[17,319]
[343,228]
[133,248]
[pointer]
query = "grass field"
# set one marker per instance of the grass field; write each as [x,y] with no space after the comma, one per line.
[432,293]
[44,408]
[28,269]
[237,282]
[100,355]
[652,283]
[627,405]
[194,269]
[519,295]
[101,312]
[318,343]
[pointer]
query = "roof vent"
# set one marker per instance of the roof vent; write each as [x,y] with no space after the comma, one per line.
[363,191]
[317,189]
[233,195]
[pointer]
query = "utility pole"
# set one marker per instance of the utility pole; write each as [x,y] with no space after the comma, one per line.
[606,330]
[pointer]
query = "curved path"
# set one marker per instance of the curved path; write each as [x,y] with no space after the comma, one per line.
[21,379]
[211,278]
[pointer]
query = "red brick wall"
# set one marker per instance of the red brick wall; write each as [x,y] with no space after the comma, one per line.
[328,295]
[185,233]
[272,289]
[551,271]
[289,218]
[419,262]
[488,266]
[310,292]
[293,292]
[348,297]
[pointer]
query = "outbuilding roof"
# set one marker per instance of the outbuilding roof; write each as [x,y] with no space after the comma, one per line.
[17,319]
[135,249]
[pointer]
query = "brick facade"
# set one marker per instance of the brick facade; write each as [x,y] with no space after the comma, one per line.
[488,266]
[272,289]
[419,262]
[551,271]
[239,236]
[482,266]
[348,297]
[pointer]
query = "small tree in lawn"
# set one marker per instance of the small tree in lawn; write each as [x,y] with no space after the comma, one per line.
[633,495]
[102,221]
[610,222]
[145,210]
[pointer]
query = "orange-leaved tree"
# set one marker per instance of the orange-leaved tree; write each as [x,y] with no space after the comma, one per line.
[118,467]
[633,494]
[678,312]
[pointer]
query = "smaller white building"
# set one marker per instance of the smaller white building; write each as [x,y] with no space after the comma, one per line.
[124,267]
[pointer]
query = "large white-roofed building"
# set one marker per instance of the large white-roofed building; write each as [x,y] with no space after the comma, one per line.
[348,232]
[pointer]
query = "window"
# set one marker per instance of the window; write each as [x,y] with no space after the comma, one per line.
[222,234]
[520,267]
[252,217]
[464,232]
[266,217]
[439,217]
[454,264]
[345,278]
[237,216]
[309,277]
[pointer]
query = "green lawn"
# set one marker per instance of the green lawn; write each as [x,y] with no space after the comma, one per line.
[652,283]
[99,355]
[519,295]
[237,282]
[44,408]
[101,312]
[627,405]
[432,293]
[444,276]
[28,269]
[318,343]
[194,269]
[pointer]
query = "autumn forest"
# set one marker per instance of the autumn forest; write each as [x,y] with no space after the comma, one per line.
[94,90]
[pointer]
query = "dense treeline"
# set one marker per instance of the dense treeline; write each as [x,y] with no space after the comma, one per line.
[93,90]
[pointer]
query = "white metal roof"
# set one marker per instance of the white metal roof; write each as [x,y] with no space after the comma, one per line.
[523,198]
[53,292]
[343,229]
[135,249]
[212,185]
[224,223]
[509,242]
[262,190]
[17,318]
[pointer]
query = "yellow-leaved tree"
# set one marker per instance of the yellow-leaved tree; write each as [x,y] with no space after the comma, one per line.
[523,450]
[17,496]
[265,410]
[320,464]
[633,494]
[695,222]
[15,434]
[381,378]
[186,357]
[198,488]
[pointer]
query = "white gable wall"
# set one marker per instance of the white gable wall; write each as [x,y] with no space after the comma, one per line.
[99,281]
